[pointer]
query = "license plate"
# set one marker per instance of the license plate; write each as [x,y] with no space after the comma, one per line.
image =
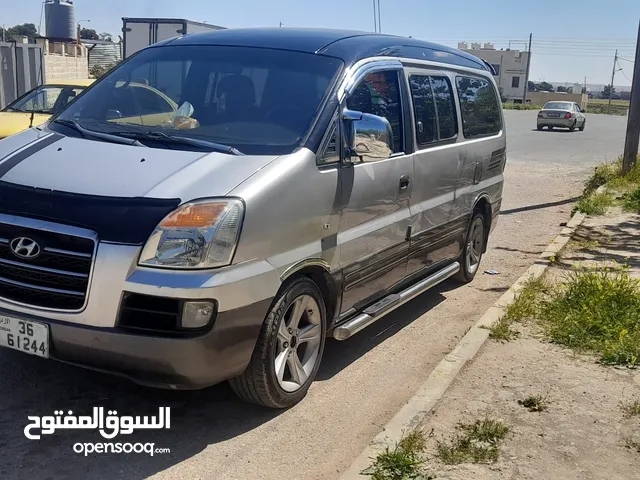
[553,114]
[28,337]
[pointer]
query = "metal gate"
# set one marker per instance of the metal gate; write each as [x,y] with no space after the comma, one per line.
[20,70]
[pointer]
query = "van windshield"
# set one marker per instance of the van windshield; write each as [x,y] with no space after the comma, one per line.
[258,101]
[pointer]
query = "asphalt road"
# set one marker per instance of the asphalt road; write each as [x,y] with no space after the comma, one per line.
[362,382]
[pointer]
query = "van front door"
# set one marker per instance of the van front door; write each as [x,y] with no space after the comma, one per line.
[375,215]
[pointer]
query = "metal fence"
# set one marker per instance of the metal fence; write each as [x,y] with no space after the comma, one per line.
[20,70]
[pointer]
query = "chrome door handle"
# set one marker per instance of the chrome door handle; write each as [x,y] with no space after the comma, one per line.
[404,182]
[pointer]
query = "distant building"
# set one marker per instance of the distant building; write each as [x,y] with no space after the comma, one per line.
[510,66]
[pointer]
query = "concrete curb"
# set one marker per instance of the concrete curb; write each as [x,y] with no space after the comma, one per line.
[413,413]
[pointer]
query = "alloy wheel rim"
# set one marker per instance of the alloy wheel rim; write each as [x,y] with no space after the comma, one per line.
[298,343]
[475,243]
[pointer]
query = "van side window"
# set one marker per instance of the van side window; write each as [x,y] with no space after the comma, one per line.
[434,109]
[379,94]
[479,107]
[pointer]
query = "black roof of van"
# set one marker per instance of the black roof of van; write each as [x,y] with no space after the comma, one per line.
[349,46]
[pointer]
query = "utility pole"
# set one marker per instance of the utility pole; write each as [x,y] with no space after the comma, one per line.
[632,139]
[375,17]
[613,76]
[379,19]
[526,80]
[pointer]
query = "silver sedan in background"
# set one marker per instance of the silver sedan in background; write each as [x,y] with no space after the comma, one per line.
[561,114]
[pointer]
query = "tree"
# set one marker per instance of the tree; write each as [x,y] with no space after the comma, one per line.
[531,86]
[544,86]
[89,34]
[28,29]
[608,90]
[562,89]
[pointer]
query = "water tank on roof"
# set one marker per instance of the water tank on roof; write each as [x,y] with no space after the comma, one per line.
[60,20]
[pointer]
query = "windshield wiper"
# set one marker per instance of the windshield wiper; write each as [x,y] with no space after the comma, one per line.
[196,142]
[92,133]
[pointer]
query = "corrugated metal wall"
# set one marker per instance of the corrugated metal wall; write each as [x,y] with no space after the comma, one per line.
[104,54]
[20,70]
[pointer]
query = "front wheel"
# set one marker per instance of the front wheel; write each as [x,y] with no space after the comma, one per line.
[472,253]
[289,348]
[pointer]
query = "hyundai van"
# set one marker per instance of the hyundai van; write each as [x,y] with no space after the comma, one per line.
[300,185]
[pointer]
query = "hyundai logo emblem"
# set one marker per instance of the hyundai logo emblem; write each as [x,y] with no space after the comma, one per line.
[25,247]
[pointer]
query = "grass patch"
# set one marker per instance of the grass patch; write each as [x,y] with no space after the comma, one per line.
[536,403]
[595,203]
[631,409]
[632,201]
[522,307]
[610,174]
[478,442]
[501,330]
[583,245]
[615,109]
[596,311]
[525,304]
[520,106]
[404,462]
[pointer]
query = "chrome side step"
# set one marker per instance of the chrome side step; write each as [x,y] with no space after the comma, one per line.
[389,303]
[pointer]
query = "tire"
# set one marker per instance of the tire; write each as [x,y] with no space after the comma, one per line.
[540,127]
[550,127]
[582,126]
[573,127]
[473,247]
[265,381]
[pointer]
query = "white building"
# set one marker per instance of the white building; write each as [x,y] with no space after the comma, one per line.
[510,66]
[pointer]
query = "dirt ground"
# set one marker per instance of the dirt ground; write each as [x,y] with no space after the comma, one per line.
[584,431]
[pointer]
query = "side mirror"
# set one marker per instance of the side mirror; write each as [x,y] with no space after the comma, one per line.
[368,137]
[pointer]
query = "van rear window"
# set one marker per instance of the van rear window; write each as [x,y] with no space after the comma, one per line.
[479,107]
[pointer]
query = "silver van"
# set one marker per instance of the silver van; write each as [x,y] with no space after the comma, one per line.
[220,204]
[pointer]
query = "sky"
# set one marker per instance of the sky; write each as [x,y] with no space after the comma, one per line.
[572,39]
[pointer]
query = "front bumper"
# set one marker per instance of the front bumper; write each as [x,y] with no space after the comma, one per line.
[94,339]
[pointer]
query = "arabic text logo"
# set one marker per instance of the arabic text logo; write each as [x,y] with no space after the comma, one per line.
[109,426]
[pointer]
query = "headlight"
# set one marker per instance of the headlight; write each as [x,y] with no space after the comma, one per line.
[199,234]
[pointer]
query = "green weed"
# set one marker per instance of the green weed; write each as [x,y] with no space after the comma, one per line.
[631,409]
[478,442]
[595,203]
[632,201]
[404,462]
[597,311]
[536,403]
[501,330]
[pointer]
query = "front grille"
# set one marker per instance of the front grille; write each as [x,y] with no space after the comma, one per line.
[58,278]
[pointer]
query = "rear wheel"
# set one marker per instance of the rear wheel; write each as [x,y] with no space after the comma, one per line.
[540,127]
[573,127]
[474,246]
[289,349]
[582,126]
[550,127]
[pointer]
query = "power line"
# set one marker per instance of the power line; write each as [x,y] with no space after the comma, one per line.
[626,60]
[624,75]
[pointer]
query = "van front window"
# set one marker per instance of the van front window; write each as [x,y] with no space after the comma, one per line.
[258,101]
